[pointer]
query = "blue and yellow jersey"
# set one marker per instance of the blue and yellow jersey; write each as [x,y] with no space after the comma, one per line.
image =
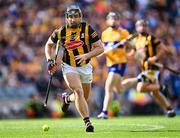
[149,43]
[75,42]
[111,37]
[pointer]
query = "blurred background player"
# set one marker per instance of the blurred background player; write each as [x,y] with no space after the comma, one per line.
[115,59]
[80,43]
[149,50]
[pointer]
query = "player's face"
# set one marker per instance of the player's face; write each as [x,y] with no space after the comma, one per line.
[141,28]
[112,22]
[73,20]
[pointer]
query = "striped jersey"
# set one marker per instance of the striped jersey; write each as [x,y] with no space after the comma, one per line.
[75,42]
[149,43]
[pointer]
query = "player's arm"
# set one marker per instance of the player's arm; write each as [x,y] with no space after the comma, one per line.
[161,51]
[128,41]
[49,48]
[160,48]
[130,47]
[50,44]
[97,47]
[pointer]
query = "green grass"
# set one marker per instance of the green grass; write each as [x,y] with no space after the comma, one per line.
[121,127]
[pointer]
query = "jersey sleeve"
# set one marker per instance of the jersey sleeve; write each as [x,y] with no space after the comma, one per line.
[54,36]
[102,36]
[155,41]
[93,36]
[125,34]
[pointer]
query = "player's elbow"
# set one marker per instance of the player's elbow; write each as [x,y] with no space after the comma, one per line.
[101,50]
[98,47]
[101,47]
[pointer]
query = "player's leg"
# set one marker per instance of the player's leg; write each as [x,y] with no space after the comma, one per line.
[86,89]
[74,82]
[129,83]
[164,103]
[148,81]
[122,85]
[86,80]
[147,87]
[118,87]
[117,83]
[110,83]
[68,98]
[154,89]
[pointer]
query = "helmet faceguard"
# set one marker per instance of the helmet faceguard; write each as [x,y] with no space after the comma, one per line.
[142,26]
[113,14]
[142,22]
[112,19]
[73,9]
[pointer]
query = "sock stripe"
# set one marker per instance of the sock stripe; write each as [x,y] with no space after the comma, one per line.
[86,120]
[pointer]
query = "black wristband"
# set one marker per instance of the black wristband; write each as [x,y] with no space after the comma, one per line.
[49,60]
[50,63]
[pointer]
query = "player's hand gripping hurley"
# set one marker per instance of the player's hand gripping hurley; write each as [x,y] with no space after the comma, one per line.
[51,74]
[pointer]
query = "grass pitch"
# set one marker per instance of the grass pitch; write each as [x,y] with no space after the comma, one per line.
[121,127]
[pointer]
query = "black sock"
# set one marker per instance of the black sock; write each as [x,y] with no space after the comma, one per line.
[105,112]
[169,108]
[86,121]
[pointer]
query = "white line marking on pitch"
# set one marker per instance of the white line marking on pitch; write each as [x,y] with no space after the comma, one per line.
[149,127]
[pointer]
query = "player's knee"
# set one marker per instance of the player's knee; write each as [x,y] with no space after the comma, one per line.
[120,89]
[78,91]
[86,97]
[109,87]
[154,93]
[140,88]
[108,90]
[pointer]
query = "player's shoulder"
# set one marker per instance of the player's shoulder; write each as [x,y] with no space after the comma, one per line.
[123,30]
[153,37]
[84,23]
[106,30]
[89,26]
[59,29]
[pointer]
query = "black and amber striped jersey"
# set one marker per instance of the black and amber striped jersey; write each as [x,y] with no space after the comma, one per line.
[149,43]
[75,42]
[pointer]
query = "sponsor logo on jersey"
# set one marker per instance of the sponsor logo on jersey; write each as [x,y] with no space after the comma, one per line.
[74,44]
